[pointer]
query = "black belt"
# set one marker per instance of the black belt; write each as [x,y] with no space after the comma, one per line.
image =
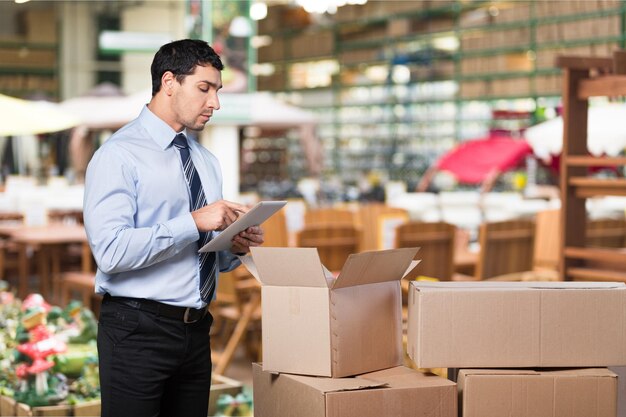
[186,314]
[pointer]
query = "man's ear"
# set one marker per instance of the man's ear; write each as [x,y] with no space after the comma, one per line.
[167,82]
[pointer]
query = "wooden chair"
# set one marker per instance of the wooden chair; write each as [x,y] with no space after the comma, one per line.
[368,218]
[237,314]
[547,240]
[8,250]
[80,285]
[606,233]
[505,247]
[436,242]
[326,216]
[334,243]
[545,265]
[600,233]
[71,216]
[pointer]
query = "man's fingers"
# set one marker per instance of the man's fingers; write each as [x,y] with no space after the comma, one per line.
[254,230]
[252,235]
[255,238]
[236,206]
[230,217]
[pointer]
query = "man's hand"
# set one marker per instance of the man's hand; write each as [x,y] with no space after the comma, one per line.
[252,236]
[217,216]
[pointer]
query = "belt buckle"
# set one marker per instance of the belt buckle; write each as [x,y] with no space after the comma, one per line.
[188,311]
[186,316]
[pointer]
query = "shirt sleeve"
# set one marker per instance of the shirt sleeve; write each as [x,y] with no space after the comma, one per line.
[228,261]
[109,207]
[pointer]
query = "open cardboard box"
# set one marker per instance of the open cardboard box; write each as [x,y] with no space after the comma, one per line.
[316,325]
[586,392]
[517,324]
[397,392]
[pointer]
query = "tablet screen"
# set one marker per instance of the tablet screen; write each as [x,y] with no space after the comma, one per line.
[254,217]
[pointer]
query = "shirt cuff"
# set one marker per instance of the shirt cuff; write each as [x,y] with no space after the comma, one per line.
[228,261]
[184,230]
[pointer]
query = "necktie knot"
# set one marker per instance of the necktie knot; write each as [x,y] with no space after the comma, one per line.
[180,141]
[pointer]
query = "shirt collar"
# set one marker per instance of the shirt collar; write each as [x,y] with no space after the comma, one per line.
[158,130]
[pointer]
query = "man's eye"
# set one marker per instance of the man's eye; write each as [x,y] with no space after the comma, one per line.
[204,90]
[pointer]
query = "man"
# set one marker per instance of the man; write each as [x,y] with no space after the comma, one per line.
[152,198]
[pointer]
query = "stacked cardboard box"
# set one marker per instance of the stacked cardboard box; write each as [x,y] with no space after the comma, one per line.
[333,346]
[497,327]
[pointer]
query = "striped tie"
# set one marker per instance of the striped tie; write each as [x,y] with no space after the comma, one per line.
[198,199]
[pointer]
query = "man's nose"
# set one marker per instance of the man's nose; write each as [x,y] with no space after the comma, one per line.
[214,102]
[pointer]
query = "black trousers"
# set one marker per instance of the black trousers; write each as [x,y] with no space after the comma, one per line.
[152,366]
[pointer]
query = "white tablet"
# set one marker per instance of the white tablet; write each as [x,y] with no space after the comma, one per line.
[254,217]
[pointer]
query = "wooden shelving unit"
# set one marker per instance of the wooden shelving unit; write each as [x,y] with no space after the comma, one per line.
[466,60]
[583,78]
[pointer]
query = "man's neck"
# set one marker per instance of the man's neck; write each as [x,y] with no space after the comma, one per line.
[159,106]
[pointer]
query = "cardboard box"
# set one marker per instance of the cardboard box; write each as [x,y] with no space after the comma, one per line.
[517,324]
[397,392]
[528,393]
[316,325]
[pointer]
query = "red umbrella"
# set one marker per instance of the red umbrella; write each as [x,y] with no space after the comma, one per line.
[473,161]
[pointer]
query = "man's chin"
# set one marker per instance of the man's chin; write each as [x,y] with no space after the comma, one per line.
[198,127]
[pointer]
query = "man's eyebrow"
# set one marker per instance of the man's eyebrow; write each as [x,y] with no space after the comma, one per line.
[212,84]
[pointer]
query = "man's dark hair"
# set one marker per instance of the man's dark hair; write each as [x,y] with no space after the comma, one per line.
[181,58]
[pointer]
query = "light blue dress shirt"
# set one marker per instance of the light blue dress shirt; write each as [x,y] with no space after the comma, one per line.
[137,215]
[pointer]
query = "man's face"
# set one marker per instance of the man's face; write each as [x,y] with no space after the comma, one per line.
[195,99]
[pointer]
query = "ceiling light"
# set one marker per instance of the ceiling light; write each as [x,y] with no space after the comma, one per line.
[240,27]
[258,10]
[326,6]
[401,74]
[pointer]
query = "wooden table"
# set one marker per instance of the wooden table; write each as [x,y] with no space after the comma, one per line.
[49,240]
[11,216]
[464,259]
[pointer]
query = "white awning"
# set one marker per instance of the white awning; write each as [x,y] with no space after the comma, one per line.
[257,109]
[606,133]
[25,117]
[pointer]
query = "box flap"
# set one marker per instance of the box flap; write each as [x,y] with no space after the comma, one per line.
[468,372]
[288,267]
[248,263]
[413,395]
[325,385]
[375,266]
[403,377]
[277,395]
[543,285]
[412,272]
[588,372]
[383,374]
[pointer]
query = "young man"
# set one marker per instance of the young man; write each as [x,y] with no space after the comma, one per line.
[153,196]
